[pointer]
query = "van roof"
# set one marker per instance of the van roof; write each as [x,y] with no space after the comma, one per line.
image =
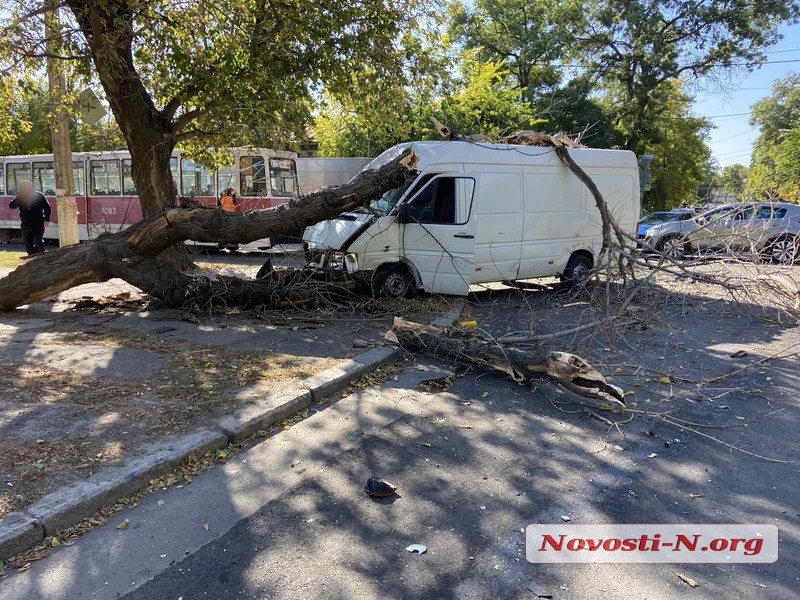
[474,152]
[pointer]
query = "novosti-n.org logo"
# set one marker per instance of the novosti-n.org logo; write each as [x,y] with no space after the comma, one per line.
[650,543]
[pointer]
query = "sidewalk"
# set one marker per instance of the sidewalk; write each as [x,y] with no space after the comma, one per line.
[82,391]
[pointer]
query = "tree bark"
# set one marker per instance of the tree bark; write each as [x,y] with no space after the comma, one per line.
[108,28]
[568,370]
[132,254]
[150,134]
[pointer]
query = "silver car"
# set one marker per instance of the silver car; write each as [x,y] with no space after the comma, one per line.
[771,229]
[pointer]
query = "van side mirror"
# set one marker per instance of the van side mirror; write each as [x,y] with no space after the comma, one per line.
[404,213]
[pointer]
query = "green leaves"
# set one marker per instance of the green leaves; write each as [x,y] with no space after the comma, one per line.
[639,46]
[775,171]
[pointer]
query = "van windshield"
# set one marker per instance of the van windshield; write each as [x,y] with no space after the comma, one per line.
[386,203]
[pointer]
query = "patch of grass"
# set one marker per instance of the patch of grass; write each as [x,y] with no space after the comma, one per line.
[10,259]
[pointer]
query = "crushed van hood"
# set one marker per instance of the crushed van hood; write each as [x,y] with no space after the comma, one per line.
[333,234]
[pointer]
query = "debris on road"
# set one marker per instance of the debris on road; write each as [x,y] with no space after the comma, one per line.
[538,590]
[440,384]
[687,580]
[379,488]
[418,548]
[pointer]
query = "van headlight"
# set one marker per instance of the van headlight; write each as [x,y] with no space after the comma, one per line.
[340,261]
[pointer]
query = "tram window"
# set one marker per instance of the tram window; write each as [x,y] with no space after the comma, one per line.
[2,181]
[282,176]
[105,178]
[44,178]
[128,185]
[226,178]
[252,176]
[16,172]
[79,178]
[196,180]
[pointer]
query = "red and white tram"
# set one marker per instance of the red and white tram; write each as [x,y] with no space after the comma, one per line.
[107,198]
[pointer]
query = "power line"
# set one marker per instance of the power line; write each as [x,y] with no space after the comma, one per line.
[734,154]
[730,137]
[743,114]
[744,64]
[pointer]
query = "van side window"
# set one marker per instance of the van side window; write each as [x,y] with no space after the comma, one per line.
[443,201]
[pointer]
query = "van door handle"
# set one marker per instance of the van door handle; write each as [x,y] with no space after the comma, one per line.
[464,236]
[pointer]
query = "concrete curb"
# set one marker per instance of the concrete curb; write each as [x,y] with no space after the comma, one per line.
[71,504]
[18,532]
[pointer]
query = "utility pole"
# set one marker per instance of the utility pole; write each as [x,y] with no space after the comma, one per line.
[66,206]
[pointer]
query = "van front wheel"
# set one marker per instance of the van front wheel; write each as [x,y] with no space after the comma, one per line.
[578,270]
[393,282]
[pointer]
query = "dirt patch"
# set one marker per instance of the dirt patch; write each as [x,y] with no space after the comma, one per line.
[106,373]
[60,425]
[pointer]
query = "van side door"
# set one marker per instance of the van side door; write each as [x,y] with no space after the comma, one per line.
[437,235]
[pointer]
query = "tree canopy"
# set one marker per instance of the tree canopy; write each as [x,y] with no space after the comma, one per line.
[733,180]
[775,169]
[367,74]
[194,72]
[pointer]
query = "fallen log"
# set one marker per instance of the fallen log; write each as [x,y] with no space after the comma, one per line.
[132,254]
[569,370]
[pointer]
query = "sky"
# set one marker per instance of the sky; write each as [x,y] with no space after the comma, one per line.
[728,106]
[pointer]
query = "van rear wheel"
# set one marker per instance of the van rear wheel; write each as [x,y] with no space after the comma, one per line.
[578,270]
[393,281]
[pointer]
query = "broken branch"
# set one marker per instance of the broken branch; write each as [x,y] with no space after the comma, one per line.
[568,370]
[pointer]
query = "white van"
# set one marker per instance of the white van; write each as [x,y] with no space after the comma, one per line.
[478,213]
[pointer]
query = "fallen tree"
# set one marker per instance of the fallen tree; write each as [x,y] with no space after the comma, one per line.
[133,254]
[454,345]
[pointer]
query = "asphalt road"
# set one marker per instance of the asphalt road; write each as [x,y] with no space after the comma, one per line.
[499,459]
[474,465]
[467,497]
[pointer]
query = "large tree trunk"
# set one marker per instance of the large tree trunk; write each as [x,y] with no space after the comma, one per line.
[150,134]
[133,254]
[108,28]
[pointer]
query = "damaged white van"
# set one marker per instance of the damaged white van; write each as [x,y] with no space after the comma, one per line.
[478,213]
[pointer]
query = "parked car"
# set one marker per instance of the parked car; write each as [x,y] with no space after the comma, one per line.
[664,216]
[478,213]
[770,229]
[670,237]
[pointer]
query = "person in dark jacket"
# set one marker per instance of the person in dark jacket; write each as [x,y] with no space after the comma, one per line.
[34,214]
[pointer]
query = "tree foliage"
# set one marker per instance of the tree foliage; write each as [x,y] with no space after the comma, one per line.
[638,46]
[529,36]
[24,116]
[25,122]
[190,72]
[733,180]
[480,101]
[774,171]
[679,148]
